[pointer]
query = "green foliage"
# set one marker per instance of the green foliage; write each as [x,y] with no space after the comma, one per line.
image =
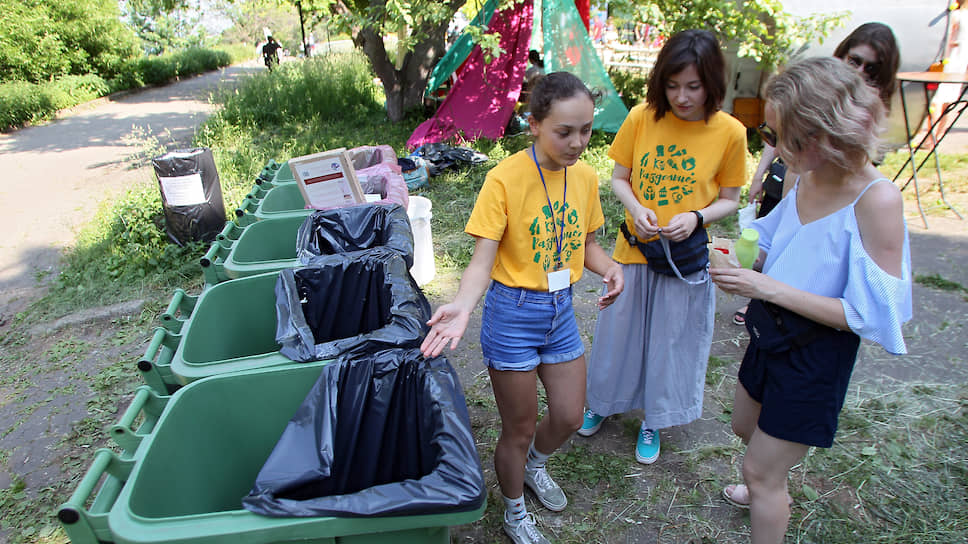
[166,26]
[22,103]
[631,86]
[45,40]
[250,18]
[759,29]
[320,89]
[121,253]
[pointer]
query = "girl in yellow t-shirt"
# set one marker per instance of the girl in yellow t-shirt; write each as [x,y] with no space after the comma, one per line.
[534,222]
[680,163]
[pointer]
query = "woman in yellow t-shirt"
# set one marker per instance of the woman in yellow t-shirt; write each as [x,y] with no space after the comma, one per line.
[680,163]
[534,221]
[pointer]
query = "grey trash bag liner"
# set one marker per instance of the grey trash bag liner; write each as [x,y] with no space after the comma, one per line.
[385,433]
[363,300]
[342,230]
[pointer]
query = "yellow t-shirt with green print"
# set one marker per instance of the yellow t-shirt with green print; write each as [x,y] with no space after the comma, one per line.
[512,208]
[676,165]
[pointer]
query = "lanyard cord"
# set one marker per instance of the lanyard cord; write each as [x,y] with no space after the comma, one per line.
[559,238]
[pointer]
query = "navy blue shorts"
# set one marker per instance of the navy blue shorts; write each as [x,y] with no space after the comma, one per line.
[801,387]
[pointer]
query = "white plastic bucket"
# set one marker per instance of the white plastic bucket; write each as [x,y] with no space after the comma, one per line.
[418,211]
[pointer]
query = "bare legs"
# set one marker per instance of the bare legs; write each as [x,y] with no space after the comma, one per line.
[516,395]
[766,464]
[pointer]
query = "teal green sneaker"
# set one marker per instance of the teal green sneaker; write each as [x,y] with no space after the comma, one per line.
[591,424]
[647,446]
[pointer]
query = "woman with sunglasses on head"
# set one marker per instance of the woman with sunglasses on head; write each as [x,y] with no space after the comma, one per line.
[870,49]
[680,163]
[835,267]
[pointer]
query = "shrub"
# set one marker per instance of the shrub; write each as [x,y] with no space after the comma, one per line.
[630,86]
[22,103]
[320,88]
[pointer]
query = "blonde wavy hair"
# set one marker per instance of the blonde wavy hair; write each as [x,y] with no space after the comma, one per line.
[826,101]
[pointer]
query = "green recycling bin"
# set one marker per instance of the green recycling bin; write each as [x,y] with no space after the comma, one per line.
[186,477]
[283,174]
[231,326]
[263,246]
[284,200]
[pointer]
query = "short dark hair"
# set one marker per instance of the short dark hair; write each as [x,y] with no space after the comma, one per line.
[535,58]
[881,39]
[689,47]
[553,87]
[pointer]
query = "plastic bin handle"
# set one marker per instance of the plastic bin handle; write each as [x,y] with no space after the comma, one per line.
[145,401]
[213,262]
[157,340]
[181,304]
[73,512]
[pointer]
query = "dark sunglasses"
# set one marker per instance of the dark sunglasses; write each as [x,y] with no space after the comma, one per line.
[870,69]
[767,134]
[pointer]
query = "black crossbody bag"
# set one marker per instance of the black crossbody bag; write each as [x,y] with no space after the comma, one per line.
[674,258]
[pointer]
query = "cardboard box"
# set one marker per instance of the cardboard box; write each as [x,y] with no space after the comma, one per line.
[327,179]
[749,111]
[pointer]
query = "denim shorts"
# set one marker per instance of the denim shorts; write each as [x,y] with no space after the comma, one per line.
[521,328]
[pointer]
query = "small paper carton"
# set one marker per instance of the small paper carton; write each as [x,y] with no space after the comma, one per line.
[721,253]
[327,179]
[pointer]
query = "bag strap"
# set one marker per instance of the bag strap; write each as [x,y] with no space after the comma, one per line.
[665,248]
[634,242]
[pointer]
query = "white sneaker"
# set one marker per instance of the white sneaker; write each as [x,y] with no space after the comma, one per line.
[547,491]
[524,531]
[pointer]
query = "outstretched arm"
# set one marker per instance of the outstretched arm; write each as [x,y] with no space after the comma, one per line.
[600,263]
[449,322]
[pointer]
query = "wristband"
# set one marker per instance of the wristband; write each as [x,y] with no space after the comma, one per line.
[699,217]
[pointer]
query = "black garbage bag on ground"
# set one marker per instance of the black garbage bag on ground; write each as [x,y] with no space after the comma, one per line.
[442,156]
[355,228]
[381,434]
[350,302]
[191,195]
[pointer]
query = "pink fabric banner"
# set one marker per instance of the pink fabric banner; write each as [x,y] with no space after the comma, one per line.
[482,100]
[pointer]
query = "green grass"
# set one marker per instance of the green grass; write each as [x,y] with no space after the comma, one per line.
[898,471]
[935,281]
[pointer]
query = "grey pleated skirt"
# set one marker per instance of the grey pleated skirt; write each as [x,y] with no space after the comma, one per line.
[651,348]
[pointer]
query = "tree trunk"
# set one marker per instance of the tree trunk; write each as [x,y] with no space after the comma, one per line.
[404,87]
[302,28]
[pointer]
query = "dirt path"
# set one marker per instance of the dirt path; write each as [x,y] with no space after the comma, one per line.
[56,174]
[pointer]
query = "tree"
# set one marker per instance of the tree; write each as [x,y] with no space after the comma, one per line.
[757,29]
[420,27]
[44,39]
[166,25]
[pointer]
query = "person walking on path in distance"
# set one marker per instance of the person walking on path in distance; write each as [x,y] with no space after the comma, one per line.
[534,223]
[871,50]
[680,163]
[836,266]
[270,53]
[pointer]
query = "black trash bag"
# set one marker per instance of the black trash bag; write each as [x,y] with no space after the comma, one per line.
[355,228]
[191,195]
[350,302]
[381,434]
[441,156]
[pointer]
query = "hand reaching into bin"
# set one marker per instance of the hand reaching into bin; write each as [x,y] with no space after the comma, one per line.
[450,320]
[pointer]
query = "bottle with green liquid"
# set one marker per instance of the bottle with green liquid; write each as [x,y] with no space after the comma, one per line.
[747,248]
